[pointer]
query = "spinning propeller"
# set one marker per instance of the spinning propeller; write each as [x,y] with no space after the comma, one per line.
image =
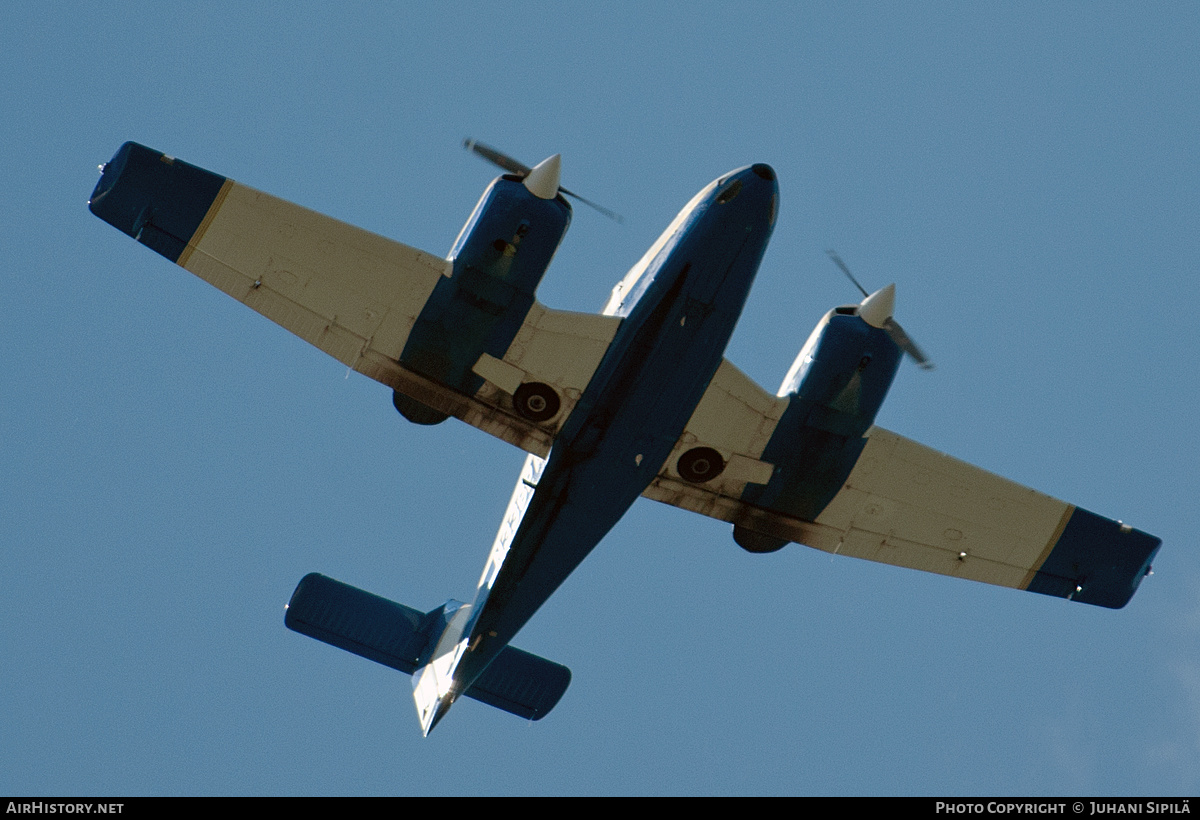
[538,179]
[876,310]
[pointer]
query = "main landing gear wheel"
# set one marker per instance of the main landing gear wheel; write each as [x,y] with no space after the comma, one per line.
[536,401]
[700,464]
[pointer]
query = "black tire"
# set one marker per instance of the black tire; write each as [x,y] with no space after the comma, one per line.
[700,464]
[537,401]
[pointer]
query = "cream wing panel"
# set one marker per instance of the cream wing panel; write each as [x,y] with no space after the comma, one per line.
[341,288]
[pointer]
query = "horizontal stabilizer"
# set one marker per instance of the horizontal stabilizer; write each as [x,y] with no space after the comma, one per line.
[400,637]
[349,618]
[521,683]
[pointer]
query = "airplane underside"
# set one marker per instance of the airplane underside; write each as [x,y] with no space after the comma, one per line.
[622,431]
[636,401]
[623,428]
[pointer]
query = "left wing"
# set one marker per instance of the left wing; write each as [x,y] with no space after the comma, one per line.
[349,292]
[906,504]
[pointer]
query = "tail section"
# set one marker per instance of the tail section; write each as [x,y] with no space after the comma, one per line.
[412,642]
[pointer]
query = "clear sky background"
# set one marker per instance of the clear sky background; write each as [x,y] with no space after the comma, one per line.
[171,464]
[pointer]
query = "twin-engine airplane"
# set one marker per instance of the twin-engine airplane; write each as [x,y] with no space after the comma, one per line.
[635,401]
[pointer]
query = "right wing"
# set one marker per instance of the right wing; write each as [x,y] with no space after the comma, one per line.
[349,292]
[905,504]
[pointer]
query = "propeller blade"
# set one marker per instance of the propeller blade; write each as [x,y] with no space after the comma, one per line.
[837,260]
[905,343]
[507,163]
[495,157]
[613,215]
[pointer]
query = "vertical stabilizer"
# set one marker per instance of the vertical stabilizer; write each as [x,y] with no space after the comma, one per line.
[433,684]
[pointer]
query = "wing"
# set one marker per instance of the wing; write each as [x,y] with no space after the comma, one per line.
[349,292]
[906,504]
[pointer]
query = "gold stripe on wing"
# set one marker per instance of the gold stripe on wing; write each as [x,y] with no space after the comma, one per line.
[1041,559]
[204,223]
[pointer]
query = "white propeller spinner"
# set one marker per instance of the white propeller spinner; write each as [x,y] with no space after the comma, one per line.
[877,308]
[542,181]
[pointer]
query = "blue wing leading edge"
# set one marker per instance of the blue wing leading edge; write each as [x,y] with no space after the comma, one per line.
[635,401]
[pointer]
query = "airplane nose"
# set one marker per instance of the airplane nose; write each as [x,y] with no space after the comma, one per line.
[764,171]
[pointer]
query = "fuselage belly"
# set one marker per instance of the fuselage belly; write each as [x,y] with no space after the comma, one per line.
[685,303]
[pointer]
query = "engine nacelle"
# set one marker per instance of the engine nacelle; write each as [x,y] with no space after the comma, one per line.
[499,258]
[846,368]
[835,386]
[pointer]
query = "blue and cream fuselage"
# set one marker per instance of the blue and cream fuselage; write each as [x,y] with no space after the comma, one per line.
[678,308]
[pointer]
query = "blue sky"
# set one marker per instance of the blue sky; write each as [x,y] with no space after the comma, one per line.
[171,464]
